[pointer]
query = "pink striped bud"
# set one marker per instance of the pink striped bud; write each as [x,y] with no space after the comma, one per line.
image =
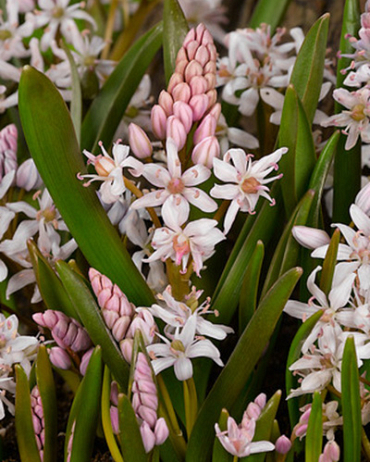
[300,430]
[190,36]
[283,444]
[191,49]
[363,199]
[85,360]
[175,79]
[210,78]
[210,67]
[126,346]
[184,113]
[311,238]
[114,393]
[205,129]
[181,92]
[60,358]
[159,121]
[181,66]
[260,400]
[253,411]
[27,176]
[139,142]
[212,98]
[198,85]
[181,55]
[176,130]
[199,105]
[120,327]
[145,322]
[193,69]
[216,111]
[8,149]
[38,419]
[113,411]
[202,55]
[147,436]
[206,151]
[166,102]
[161,431]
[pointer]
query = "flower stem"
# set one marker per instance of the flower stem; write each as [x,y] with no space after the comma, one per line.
[221,210]
[191,404]
[178,281]
[365,444]
[235,459]
[109,28]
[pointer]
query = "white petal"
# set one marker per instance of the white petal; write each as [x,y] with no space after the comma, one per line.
[183,369]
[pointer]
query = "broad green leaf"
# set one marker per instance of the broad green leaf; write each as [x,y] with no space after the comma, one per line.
[298,163]
[309,66]
[329,264]
[270,12]
[92,320]
[220,454]
[294,353]
[261,227]
[46,385]
[351,403]
[57,156]
[249,289]
[51,288]
[108,108]
[23,418]
[286,253]
[264,426]
[314,430]
[175,28]
[130,437]
[235,374]
[83,418]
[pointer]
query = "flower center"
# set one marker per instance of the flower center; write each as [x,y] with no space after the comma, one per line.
[175,186]
[104,165]
[48,214]
[177,345]
[250,185]
[89,61]
[358,112]
[2,341]
[5,34]
[181,247]
[58,12]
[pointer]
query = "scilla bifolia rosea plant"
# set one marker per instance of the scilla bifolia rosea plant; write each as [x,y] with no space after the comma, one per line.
[151,239]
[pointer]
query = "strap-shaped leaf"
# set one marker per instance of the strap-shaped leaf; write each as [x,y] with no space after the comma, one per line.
[92,320]
[106,111]
[23,418]
[46,385]
[175,28]
[314,430]
[53,145]
[309,66]
[298,163]
[234,376]
[84,414]
[270,12]
[130,437]
[329,264]
[351,403]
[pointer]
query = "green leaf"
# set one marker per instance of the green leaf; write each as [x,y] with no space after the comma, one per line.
[219,453]
[51,288]
[235,374]
[329,264]
[57,155]
[314,430]
[108,108]
[294,353]
[351,403]
[309,66]
[92,320]
[298,163]
[46,385]
[76,101]
[83,418]
[130,437]
[175,28]
[23,418]
[286,253]
[270,12]
[249,289]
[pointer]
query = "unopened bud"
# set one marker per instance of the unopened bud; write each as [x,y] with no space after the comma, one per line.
[60,358]
[199,105]
[176,130]
[159,121]
[28,176]
[283,444]
[139,142]
[206,151]
[184,113]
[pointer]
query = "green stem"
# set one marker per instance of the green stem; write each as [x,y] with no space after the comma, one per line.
[365,444]
[191,404]
[235,459]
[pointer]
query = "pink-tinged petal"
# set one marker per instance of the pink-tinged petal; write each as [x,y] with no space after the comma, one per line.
[200,199]
[188,332]
[306,362]
[161,364]
[173,162]
[175,212]
[348,233]
[272,97]
[314,289]
[316,381]
[204,348]
[157,175]
[260,446]
[364,276]
[343,270]
[242,138]
[224,171]
[195,175]
[310,238]
[363,199]
[3,271]
[239,159]
[360,219]
[353,133]
[6,182]
[203,226]
[339,295]
[248,101]
[216,331]
[152,199]
[230,215]
[23,207]
[225,191]
[299,310]
[20,280]
[6,216]
[268,161]
[183,369]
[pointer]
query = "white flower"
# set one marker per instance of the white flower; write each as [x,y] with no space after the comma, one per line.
[197,240]
[175,184]
[179,351]
[247,180]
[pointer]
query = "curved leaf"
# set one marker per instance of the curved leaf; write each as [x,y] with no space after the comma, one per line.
[270,12]
[53,145]
[314,430]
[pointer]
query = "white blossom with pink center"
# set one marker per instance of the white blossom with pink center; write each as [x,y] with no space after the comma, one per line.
[247,180]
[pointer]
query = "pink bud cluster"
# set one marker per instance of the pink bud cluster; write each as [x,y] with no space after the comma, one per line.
[331,452]
[38,419]
[67,333]
[191,98]
[153,431]
[8,149]
[120,316]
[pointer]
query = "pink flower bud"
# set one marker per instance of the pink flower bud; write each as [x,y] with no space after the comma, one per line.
[147,414]
[149,400]
[310,238]
[161,431]
[181,92]
[147,436]
[8,149]
[191,49]
[36,425]
[283,444]
[180,67]
[216,111]
[175,79]
[202,55]
[166,102]
[159,121]
[60,358]
[199,34]
[184,113]
[205,129]
[120,327]
[27,176]
[81,342]
[260,400]
[181,56]
[85,361]
[193,69]
[199,105]
[210,67]
[114,419]
[126,349]
[206,151]
[253,411]
[212,98]
[300,430]
[176,130]
[110,318]
[333,450]
[210,78]
[198,85]
[190,36]
[139,142]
